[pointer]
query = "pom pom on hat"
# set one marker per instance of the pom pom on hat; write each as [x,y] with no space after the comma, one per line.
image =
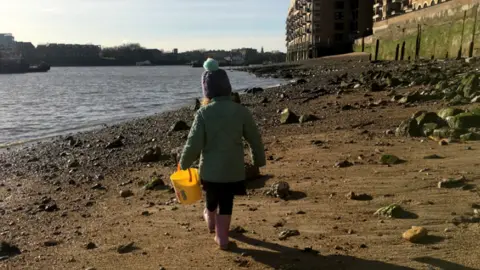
[210,65]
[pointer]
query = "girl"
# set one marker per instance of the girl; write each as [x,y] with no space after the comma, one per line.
[216,138]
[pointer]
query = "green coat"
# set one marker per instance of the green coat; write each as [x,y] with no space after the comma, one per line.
[216,138]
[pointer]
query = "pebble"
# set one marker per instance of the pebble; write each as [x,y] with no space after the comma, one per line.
[126,193]
[415,234]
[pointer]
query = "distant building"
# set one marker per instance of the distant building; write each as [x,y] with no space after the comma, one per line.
[384,9]
[55,50]
[322,27]
[175,51]
[7,41]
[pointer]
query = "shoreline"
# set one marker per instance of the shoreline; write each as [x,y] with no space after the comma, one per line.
[61,201]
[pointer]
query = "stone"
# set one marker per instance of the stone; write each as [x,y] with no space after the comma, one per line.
[390,160]
[452,182]
[375,87]
[434,156]
[390,211]
[458,100]
[284,235]
[127,248]
[343,164]
[288,117]
[471,136]
[415,234]
[151,155]
[441,85]
[126,193]
[90,246]
[475,99]
[155,183]
[429,128]
[73,163]
[469,85]
[408,128]
[359,197]
[410,98]
[254,90]
[236,98]
[239,230]
[444,113]
[307,118]
[393,82]
[115,143]
[8,250]
[430,117]
[464,121]
[280,190]
[179,126]
[445,133]
[50,243]
[298,81]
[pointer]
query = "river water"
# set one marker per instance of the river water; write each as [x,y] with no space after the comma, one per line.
[63,100]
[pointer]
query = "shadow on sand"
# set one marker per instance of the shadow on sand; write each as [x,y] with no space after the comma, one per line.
[281,257]
[442,264]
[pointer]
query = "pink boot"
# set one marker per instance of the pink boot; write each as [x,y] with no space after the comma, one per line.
[221,231]
[210,218]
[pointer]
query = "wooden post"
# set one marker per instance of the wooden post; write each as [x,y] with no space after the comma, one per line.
[397,49]
[472,43]
[459,54]
[377,45]
[417,45]
[434,48]
[402,53]
[363,43]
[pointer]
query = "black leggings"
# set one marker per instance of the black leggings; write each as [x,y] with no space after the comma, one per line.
[220,196]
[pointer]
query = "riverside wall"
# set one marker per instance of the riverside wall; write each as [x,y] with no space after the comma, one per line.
[443,30]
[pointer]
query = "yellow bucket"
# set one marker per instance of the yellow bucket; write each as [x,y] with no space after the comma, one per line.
[187,186]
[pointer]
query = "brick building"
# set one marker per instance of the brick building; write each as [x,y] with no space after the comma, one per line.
[322,27]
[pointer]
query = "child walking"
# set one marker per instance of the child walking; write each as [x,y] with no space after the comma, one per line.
[216,138]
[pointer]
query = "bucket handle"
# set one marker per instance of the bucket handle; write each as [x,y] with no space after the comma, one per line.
[189,171]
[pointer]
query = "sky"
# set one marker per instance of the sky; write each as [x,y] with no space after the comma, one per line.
[161,24]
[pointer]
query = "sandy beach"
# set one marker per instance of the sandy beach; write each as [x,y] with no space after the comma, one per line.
[61,202]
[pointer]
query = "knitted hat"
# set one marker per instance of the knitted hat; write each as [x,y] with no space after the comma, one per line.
[210,64]
[216,84]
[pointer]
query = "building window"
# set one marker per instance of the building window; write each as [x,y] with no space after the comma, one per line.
[339,16]
[338,37]
[339,5]
[339,26]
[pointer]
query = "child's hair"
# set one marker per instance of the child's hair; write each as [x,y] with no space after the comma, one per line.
[205,101]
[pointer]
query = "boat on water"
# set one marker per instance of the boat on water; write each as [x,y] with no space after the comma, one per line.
[19,65]
[43,67]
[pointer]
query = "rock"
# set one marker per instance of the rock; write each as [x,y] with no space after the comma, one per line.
[471,136]
[469,85]
[408,128]
[359,197]
[239,230]
[375,87]
[415,234]
[452,183]
[196,105]
[298,81]
[155,183]
[126,193]
[50,243]
[445,133]
[347,107]
[254,90]
[444,113]
[8,250]
[98,186]
[410,98]
[179,126]
[430,117]
[307,118]
[280,189]
[393,82]
[458,100]
[90,246]
[288,117]
[264,100]
[470,60]
[122,249]
[390,211]
[151,155]
[251,172]
[90,268]
[434,156]
[464,121]
[356,86]
[390,160]
[73,163]
[236,98]
[475,99]
[441,85]
[284,235]
[115,143]
[343,164]
[429,128]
